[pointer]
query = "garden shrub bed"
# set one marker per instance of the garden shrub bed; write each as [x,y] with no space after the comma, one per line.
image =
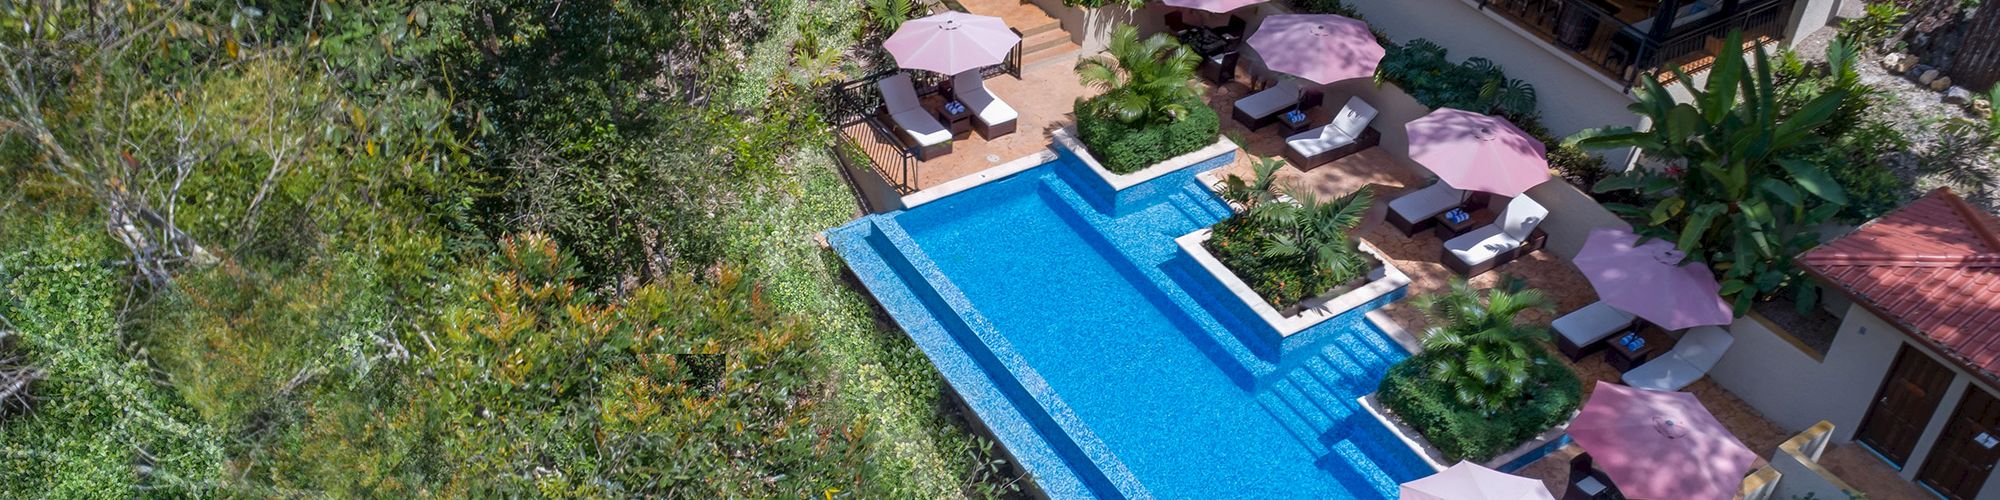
[1130,147]
[1462,433]
[1240,243]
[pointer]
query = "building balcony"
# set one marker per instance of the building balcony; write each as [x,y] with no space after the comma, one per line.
[1627,39]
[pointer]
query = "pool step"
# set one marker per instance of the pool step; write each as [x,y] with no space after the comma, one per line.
[1292,423]
[1354,456]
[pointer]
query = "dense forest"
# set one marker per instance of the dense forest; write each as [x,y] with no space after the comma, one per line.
[467,248]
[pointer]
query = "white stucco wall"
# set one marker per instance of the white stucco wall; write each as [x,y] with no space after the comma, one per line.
[1809,16]
[1795,391]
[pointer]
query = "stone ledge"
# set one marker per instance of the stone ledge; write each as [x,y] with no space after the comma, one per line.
[1384,280]
[1532,449]
[1066,139]
[1001,171]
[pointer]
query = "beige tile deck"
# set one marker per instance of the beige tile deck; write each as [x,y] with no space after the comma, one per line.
[1043,96]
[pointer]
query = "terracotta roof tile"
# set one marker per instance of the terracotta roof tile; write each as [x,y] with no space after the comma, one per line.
[1933,267]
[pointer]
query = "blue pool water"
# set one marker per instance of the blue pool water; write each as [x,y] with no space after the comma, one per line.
[1108,363]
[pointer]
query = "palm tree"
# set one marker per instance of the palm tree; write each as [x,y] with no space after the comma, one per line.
[1257,190]
[1745,200]
[1487,351]
[1144,81]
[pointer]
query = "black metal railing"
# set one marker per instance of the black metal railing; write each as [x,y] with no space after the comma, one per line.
[1625,52]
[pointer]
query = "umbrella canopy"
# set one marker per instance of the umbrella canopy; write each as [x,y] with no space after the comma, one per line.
[1657,444]
[951,43]
[1650,281]
[1216,6]
[1477,152]
[1324,48]
[1470,481]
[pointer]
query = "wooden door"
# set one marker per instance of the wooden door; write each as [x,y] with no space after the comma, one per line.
[1903,406]
[1965,453]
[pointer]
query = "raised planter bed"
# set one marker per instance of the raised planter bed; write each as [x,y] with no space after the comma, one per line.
[1528,452]
[1122,187]
[1383,281]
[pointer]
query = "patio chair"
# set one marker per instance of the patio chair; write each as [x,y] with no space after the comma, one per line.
[1586,482]
[1177,22]
[1347,134]
[1583,331]
[1235,29]
[1417,210]
[1255,111]
[1480,250]
[1689,360]
[991,116]
[899,97]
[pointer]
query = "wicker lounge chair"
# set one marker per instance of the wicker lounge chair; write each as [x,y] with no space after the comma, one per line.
[919,126]
[1255,111]
[991,116]
[1347,134]
[1480,250]
[1691,358]
[1417,210]
[1583,331]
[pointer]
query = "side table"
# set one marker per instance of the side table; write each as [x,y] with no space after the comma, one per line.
[960,122]
[1624,358]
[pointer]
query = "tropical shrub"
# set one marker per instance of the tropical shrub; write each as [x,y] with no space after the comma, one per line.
[1151,108]
[890,14]
[1289,251]
[1432,408]
[1126,148]
[1741,196]
[1336,7]
[1494,347]
[1878,22]
[1478,85]
[1859,142]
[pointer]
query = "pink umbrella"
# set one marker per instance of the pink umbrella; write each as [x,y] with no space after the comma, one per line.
[1324,48]
[1470,481]
[951,43]
[1650,281]
[1216,6]
[1476,152]
[1657,444]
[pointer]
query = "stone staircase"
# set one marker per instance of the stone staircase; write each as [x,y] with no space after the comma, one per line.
[1043,40]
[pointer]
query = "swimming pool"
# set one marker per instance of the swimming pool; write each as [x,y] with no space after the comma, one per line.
[1107,362]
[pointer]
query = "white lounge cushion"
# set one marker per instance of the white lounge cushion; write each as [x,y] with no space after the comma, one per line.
[1481,244]
[970,88]
[1690,360]
[1485,243]
[900,96]
[1427,202]
[1283,95]
[1592,323]
[1345,128]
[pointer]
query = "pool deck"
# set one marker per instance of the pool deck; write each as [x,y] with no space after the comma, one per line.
[1044,96]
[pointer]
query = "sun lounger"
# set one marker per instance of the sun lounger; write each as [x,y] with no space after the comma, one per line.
[1417,210]
[991,116]
[909,115]
[1255,111]
[1690,360]
[1582,332]
[1347,134]
[1480,250]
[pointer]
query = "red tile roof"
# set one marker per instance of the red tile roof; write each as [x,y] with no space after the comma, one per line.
[1931,267]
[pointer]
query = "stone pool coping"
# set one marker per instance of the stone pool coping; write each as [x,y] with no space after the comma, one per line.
[990,174]
[1383,280]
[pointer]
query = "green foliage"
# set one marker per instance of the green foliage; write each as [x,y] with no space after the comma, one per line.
[1094,4]
[1859,142]
[890,14]
[1130,147]
[1878,22]
[1489,349]
[101,427]
[1742,198]
[1335,7]
[1421,69]
[1289,251]
[1465,433]
[1150,81]
[1964,157]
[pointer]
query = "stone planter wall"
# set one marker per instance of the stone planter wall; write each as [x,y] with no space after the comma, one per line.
[1385,281]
